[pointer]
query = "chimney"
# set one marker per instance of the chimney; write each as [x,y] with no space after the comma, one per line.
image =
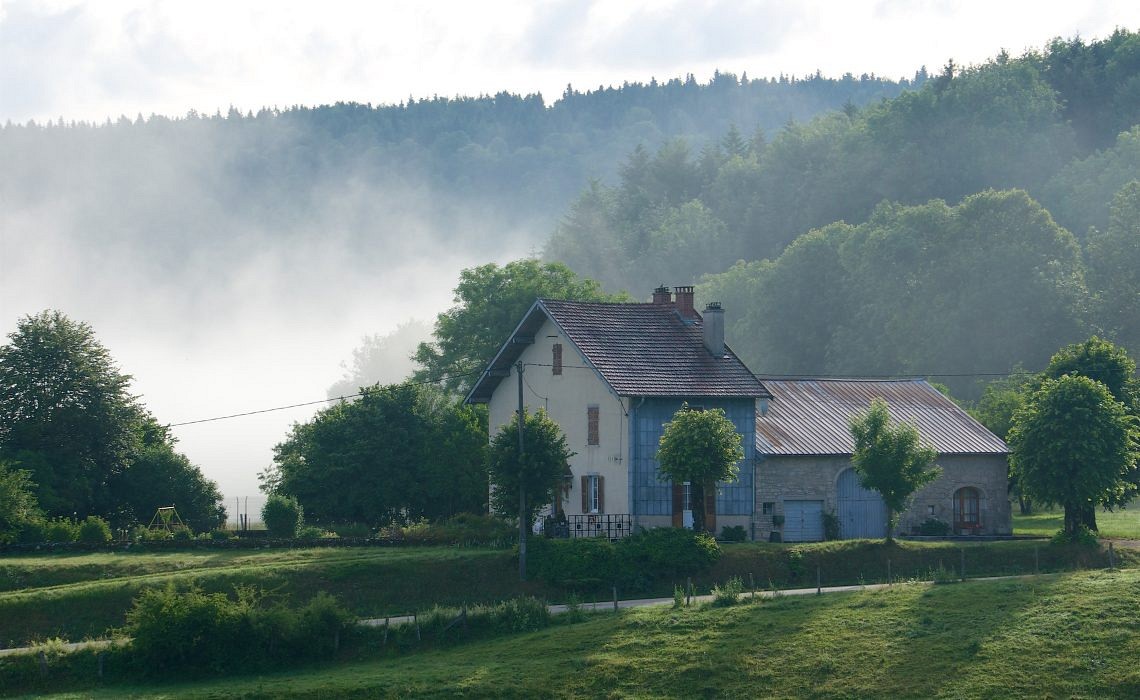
[684,300]
[661,295]
[714,328]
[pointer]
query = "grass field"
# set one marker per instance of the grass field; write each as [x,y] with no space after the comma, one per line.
[1121,524]
[1067,635]
[77,596]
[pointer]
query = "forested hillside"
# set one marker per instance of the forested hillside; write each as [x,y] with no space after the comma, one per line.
[934,242]
[461,169]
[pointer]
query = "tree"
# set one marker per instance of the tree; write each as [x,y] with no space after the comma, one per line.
[408,451]
[1000,400]
[17,501]
[702,448]
[65,413]
[489,302]
[1073,444]
[1114,267]
[540,474]
[891,459]
[381,359]
[159,476]
[282,516]
[1110,365]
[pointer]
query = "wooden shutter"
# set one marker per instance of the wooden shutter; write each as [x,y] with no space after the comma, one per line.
[601,494]
[592,433]
[585,494]
[678,498]
[556,363]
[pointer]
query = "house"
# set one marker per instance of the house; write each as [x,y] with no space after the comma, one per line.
[804,472]
[612,375]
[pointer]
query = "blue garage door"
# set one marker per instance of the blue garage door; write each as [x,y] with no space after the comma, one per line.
[803,521]
[862,513]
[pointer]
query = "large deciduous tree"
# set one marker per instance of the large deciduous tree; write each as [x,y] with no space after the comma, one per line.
[398,453]
[1074,444]
[702,448]
[891,459]
[540,473]
[489,301]
[66,414]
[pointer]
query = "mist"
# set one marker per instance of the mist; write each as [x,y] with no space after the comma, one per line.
[214,312]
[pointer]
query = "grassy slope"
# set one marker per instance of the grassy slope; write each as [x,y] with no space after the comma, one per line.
[76,596]
[1065,635]
[1122,524]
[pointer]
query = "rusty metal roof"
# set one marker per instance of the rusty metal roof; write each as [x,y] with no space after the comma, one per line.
[812,417]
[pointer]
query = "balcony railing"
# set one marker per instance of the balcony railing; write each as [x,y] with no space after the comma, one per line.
[610,526]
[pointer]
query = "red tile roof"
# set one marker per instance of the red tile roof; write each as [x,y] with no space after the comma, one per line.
[639,349]
[812,417]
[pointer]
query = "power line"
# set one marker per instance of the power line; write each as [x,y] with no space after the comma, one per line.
[311,403]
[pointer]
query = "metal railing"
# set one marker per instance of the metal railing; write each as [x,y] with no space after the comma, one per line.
[612,526]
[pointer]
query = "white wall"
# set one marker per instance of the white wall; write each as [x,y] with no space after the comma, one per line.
[566,398]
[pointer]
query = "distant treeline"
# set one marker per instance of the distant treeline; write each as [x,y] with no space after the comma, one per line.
[516,159]
[909,283]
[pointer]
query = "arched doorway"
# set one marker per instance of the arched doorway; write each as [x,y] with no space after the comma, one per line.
[967,510]
[862,513]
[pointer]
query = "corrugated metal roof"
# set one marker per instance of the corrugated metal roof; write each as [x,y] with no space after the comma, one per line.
[812,417]
[640,349]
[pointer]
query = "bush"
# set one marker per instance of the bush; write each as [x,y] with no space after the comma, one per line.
[220,535]
[192,631]
[60,530]
[282,516]
[145,534]
[633,562]
[353,530]
[830,526]
[312,532]
[736,533]
[933,527]
[32,532]
[729,594]
[669,551]
[1083,537]
[94,530]
[183,534]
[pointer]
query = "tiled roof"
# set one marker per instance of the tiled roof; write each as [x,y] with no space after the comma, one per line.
[640,349]
[812,417]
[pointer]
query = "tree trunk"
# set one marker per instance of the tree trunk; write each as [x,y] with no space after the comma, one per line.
[1088,516]
[1025,503]
[1072,518]
[697,503]
[890,524]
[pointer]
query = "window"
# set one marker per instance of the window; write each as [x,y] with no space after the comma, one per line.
[967,511]
[768,508]
[687,496]
[593,493]
[592,436]
[556,359]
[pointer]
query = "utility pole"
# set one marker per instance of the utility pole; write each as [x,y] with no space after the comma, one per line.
[522,481]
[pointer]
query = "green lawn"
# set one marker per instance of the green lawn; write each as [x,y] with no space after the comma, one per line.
[1067,635]
[1122,524]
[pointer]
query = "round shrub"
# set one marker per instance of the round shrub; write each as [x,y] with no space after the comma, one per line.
[183,534]
[670,551]
[60,530]
[94,530]
[282,516]
[32,532]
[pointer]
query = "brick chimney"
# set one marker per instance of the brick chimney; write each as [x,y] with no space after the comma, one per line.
[661,295]
[714,328]
[684,301]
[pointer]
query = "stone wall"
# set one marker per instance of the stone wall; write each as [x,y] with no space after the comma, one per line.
[814,478]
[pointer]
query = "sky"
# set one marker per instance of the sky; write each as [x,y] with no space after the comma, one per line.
[101,59]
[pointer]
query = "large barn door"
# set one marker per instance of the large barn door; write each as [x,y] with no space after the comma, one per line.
[862,513]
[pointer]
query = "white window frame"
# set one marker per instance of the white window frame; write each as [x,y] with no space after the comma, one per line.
[592,493]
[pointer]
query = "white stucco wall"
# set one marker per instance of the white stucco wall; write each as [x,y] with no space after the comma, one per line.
[566,398]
